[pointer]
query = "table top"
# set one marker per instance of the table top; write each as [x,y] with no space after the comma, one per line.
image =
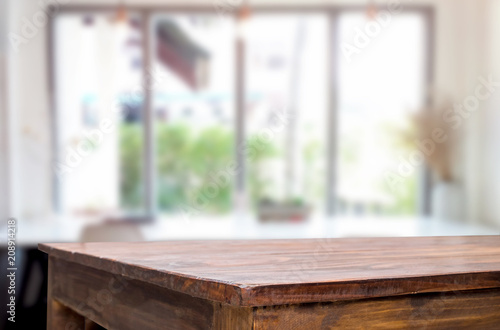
[275,272]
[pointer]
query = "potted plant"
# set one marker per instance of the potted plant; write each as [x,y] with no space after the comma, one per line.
[447,192]
[293,210]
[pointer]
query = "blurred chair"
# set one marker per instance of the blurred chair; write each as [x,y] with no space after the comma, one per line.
[111,232]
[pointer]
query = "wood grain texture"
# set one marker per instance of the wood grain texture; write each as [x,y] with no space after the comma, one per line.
[116,302]
[121,303]
[278,272]
[475,309]
[63,318]
[229,317]
[59,316]
[85,294]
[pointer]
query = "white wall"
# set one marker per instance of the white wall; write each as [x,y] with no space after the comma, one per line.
[473,51]
[4,157]
[28,117]
[489,147]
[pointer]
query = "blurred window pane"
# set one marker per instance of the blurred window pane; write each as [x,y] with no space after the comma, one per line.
[99,84]
[285,111]
[99,105]
[193,104]
[379,88]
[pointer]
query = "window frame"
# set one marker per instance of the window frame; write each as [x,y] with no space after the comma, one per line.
[333,13]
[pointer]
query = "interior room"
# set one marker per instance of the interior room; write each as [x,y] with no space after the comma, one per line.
[168,120]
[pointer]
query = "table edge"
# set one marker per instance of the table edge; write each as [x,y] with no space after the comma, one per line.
[282,294]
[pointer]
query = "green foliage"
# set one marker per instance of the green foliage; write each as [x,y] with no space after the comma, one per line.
[173,144]
[187,163]
[130,150]
[212,150]
[256,151]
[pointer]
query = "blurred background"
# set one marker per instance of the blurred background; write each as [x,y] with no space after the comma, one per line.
[153,120]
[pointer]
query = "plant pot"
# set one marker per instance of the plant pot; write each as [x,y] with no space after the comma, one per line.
[447,201]
[283,212]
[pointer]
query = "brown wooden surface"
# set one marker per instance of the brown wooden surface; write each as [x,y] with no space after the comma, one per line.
[475,309]
[83,293]
[276,272]
[116,302]
[63,318]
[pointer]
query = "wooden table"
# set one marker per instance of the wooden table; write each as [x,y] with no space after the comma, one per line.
[444,282]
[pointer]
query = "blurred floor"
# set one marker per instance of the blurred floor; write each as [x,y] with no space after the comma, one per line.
[65,230]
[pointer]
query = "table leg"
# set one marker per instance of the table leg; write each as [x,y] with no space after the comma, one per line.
[91,325]
[61,317]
